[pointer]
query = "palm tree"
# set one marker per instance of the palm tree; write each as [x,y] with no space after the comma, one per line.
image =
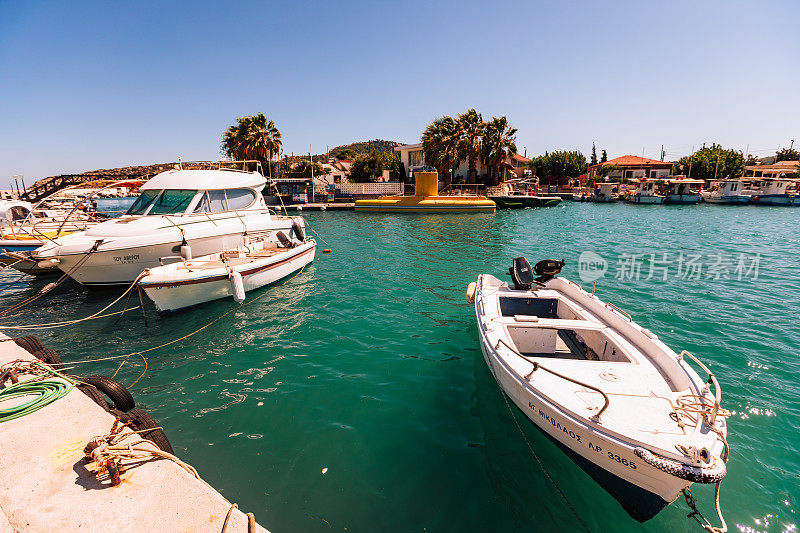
[253,137]
[471,128]
[440,145]
[498,145]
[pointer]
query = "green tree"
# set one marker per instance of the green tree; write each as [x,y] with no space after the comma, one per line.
[710,162]
[594,155]
[787,154]
[348,154]
[441,146]
[252,137]
[603,156]
[369,168]
[605,170]
[497,146]
[557,167]
[302,169]
[471,127]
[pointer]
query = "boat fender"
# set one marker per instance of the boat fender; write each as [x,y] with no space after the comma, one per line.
[48,263]
[50,357]
[298,231]
[116,392]
[186,252]
[471,292]
[140,421]
[237,287]
[29,343]
[695,474]
[284,240]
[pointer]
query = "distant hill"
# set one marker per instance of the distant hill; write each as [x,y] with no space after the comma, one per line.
[365,147]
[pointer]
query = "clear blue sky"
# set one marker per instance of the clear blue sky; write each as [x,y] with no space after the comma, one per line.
[97,85]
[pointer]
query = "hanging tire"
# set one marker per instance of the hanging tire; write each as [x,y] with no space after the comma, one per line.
[29,343]
[118,394]
[94,393]
[50,357]
[141,420]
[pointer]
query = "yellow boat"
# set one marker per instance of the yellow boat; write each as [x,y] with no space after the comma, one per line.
[426,200]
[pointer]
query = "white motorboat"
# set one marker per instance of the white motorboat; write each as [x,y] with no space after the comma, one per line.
[626,408]
[645,192]
[729,192]
[179,213]
[229,273]
[605,191]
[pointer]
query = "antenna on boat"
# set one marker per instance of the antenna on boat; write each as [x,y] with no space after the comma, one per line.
[180,164]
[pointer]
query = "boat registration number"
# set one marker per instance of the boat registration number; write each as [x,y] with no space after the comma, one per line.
[126,258]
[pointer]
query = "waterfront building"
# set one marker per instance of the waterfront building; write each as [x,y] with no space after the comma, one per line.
[413,159]
[633,167]
[772,171]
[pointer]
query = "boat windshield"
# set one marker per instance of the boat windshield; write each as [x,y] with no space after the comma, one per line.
[166,202]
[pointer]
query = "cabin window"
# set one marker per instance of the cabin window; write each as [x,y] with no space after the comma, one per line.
[239,198]
[143,202]
[172,202]
[217,201]
[202,205]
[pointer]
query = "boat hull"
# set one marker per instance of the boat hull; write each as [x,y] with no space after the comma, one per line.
[603,199]
[773,199]
[684,199]
[648,200]
[727,200]
[188,291]
[522,201]
[426,204]
[642,491]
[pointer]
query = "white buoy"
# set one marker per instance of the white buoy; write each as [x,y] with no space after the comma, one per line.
[186,252]
[237,287]
[471,292]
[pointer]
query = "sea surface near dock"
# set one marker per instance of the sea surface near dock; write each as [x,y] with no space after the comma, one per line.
[355,397]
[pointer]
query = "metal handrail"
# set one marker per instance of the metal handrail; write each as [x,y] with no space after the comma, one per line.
[537,366]
[620,311]
[712,380]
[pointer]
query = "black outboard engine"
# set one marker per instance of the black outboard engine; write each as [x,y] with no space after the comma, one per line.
[547,269]
[521,273]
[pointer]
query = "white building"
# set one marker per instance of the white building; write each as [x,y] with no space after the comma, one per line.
[413,158]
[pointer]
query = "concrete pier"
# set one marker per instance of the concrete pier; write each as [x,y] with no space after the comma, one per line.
[46,484]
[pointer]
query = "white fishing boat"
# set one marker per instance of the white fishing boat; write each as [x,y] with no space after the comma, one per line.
[625,407]
[729,192]
[773,191]
[681,190]
[645,192]
[229,273]
[179,213]
[605,191]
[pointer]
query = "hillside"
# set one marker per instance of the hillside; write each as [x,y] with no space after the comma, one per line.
[365,147]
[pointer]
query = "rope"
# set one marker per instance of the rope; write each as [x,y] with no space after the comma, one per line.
[538,460]
[46,391]
[98,314]
[317,234]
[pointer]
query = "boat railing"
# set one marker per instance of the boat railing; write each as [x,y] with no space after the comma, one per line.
[537,366]
[618,310]
[712,380]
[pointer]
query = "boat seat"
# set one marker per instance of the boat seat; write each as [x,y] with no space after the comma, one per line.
[551,323]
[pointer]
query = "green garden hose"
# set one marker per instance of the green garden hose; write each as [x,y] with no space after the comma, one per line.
[45,391]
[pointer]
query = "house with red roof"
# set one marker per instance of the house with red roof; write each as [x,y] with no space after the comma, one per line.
[633,167]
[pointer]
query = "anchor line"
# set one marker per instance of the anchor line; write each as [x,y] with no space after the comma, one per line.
[538,460]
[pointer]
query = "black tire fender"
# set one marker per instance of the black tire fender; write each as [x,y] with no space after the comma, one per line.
[141,420]
[29,343]
[94,393]
[298,231]
[118,394]
[50,357]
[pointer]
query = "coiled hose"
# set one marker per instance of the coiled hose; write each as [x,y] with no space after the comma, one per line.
[46,391]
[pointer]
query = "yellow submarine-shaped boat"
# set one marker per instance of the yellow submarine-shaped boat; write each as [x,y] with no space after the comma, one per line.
[426,199]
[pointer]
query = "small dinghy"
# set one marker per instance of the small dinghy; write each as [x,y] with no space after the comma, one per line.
[625,407]
[229,273]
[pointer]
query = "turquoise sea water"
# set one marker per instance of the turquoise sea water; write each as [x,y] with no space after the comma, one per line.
[367,364]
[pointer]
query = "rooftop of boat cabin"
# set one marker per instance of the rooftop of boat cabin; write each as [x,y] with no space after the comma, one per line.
[205,180]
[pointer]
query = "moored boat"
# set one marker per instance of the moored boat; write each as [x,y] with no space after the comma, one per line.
[605,192]
[625,407]
[773,191]
[179,213]
[229,273]
[727,192]
[516,201]
[682,190]
[645,192]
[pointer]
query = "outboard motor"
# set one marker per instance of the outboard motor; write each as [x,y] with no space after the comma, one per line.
[521,273]
[547,269]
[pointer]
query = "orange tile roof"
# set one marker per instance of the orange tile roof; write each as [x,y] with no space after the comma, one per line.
[634,160]
[521,158]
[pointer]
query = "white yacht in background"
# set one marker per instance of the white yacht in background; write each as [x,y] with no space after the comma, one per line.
[180,213]
[726,192]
